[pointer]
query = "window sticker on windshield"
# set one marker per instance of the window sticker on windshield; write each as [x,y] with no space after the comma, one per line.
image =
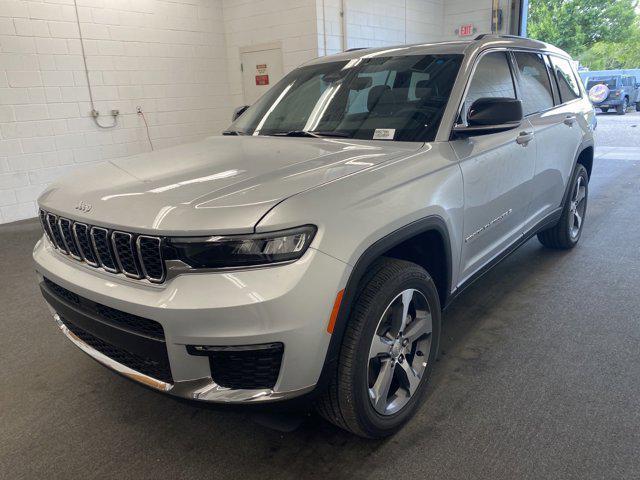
[384,133]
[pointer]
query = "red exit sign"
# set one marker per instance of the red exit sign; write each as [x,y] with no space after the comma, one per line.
[465,30]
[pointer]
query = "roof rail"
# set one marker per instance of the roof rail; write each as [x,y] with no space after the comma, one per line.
[356,48]
[482,35]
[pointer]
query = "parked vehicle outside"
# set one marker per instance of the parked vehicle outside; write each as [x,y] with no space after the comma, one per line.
[614,91]
[307,254]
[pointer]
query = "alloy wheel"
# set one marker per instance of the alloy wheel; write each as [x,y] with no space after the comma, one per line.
[399,352]
[577,207]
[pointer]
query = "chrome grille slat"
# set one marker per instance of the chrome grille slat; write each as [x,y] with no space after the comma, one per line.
[102,247]
[52,221]
[150,256]
[64,224]
[81,234]
[125,253]
[45,224]
[117,252]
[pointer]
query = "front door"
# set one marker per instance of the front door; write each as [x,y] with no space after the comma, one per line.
[497,171]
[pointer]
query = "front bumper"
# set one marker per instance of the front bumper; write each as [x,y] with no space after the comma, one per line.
[289,304]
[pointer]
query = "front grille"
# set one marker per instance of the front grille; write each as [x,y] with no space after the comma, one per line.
[81,232]
[69,242]
[109,315]
[250,367]
[100,240]
[45,225]
[52,222]
[150,251]
[136,256]
[123,247]
[157,368]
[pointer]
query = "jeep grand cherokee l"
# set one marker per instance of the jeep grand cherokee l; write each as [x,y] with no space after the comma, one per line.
[308,252]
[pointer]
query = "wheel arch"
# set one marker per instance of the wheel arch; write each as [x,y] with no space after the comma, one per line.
[585,158]
[432,229]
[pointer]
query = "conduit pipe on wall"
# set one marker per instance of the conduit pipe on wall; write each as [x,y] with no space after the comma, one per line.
[94,112]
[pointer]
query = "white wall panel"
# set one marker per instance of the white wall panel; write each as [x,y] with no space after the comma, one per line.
[169,57]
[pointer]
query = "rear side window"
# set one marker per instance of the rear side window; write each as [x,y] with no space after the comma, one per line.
[567,83]
[492,78]
[536,89]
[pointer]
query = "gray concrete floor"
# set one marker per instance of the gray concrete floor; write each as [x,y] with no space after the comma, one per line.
[539,378]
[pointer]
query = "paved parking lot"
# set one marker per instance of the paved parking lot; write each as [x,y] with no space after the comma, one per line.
[618,130]
[538,376]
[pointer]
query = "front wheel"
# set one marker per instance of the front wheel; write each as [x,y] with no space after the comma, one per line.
[388,351]
[604,109]
[566,233]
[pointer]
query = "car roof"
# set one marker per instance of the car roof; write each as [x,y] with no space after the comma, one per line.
[467,47]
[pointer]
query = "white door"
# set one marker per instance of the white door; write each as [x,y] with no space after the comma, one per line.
[260,71]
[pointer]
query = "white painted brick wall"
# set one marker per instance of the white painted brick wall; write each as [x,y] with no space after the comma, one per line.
[379,23]
[167,56]
[253,22]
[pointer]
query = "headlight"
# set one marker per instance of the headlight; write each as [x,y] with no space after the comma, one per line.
[243,250]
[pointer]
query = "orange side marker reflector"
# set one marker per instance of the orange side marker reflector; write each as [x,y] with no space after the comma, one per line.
[334,312]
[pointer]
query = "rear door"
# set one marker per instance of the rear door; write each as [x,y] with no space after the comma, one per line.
[552,101]
[497,169]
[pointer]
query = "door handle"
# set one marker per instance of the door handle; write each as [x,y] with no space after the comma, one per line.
[524,138]
[570,120]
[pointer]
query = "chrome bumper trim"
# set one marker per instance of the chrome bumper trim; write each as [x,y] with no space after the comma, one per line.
[204,389]
[112,364]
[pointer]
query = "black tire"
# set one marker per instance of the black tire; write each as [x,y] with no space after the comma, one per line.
[622,109]
[605,109]
[560,235]
[346,402]
[637,106]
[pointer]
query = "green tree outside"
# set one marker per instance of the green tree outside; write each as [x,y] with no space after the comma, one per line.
[603,35]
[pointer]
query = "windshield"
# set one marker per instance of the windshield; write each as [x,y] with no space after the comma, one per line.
[391,98]
[609,82]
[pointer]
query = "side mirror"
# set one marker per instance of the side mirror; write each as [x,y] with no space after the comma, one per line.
[238,111]
[491,115]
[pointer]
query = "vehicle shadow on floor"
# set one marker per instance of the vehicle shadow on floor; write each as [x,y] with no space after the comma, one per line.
[317,449]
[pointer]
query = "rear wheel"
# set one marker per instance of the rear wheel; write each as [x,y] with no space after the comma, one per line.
[388,351]
[637,106]
[566,233]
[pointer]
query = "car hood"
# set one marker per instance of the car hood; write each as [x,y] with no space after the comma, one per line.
[218,185]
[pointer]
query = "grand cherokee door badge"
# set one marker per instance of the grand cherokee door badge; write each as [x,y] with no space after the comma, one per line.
[488,225]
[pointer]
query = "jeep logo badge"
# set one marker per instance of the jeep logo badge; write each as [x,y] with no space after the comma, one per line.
[84,207]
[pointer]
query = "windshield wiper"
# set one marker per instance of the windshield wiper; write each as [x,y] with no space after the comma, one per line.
[233,132]
[311,133]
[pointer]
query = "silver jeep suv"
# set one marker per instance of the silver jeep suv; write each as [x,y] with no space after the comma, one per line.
[307,253]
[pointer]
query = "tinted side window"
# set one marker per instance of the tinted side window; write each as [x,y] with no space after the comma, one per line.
[536,89]
[492,78]
[567,83]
